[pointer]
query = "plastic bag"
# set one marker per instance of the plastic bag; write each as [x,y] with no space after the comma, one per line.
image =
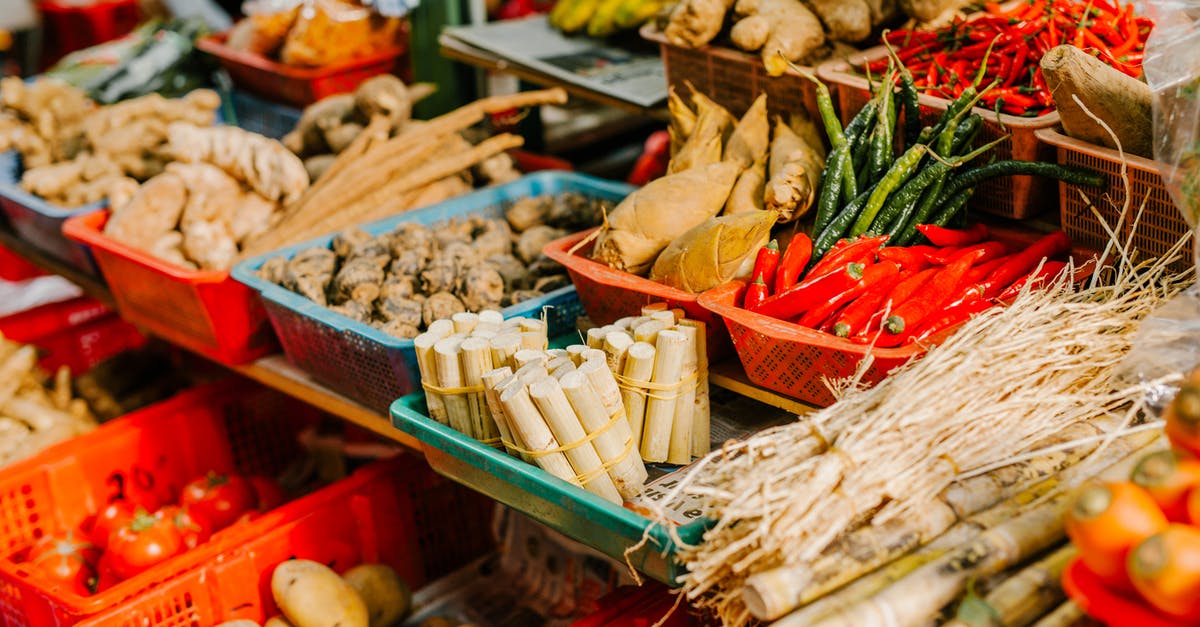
[1168,342]
[314,33]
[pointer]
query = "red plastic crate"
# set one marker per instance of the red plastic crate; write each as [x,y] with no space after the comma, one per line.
[78,333]
[13,267]
[1115,609]
[631,606]
[398,512]
[300,86]
[150,454]
[1006,196]
[204,311]
[609,294]
[70,27]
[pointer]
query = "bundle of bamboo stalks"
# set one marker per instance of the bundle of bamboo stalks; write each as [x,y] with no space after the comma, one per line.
[660,360]
[378,176]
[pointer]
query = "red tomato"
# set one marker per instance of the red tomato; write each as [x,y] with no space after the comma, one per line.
[109,518]
[142,543]
[192,527]
[219,499]
[67,560]
[270,493]
[105,577]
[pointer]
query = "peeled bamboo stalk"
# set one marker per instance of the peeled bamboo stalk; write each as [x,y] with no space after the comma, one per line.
[670,347]
[503,348]
[650,309]
[476,360]
[648,331]
[639,368]
[533,340]
[595,336]
[1026,596]
[531,428]
[680,445]
[615,345]
[464,321]
[550,400]
[575,352]
[605,385]
[449,375]
[624,323]
[922,593]
[701,417]
[1066,615]
[491,379]
[626,470]
[773,593]
[533,325]
[555,353]
[560,364]
[595,354]
[667,317]
[526,356]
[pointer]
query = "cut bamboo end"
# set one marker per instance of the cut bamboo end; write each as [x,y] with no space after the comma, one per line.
[491,316]
[670,347]
[594,354]
[555,353]
[532,325]
[531,372]
[639,368]
[701,418]
[527,422]
[527,356]
[648,331]
[680,451]
[575,352]
[615,345]
[464,321]
[666,317]
[652,308]
[773,593]
[624,323]
[504,347]
[550,400]
[533,340]
[614,447]
[595,336]
[427,365]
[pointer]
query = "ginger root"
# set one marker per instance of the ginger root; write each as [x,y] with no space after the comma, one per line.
[262,163]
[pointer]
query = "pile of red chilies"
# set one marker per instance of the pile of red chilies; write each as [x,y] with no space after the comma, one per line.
[898,295]
[1012,42]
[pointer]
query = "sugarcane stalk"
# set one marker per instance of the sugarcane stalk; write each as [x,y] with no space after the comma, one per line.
[550,400]
[670,347]
[639,368]
[680,447]
[701,414]
[1066,615]
[1023,598]
[626,470]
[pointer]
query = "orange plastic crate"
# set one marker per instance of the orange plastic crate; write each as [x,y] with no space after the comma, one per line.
[398,512]
[732,78]
[1006,196]
[300,86]
[1154,231]
[231,426]
[609,294]
[204,311]
[78,333]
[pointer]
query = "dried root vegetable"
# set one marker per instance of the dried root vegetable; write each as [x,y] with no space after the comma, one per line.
[402,281]
[772,495]
[329,125]
[36,410]
[845,20]
[714,251]
[652,217]
[1122,101]
[42,120]
[794,173]
[784,30]
[694,23]
[261,163]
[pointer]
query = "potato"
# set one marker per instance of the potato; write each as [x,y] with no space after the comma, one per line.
[310,594]
[387,597]
[278,621]
[241,622]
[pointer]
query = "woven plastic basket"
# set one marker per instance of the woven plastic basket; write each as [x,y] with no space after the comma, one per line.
[262,116]
[39,222]
[1006,196]
[732,78]
[1153,231]
[367,365]
[609,294]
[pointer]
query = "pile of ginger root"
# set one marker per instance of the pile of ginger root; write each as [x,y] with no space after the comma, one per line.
[75,153]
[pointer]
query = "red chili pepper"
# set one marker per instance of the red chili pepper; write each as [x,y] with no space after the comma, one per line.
[941,236]
[1048,272]
[1018,65]
[949,317]
[933,295]
[908,258]
[795,258]
[990,250]
[871,276]
[857,314]
[756,293]
[811,293]
[941,256]
[908,287]
[980,271]
[1021,263]
[837,258]
[767,263]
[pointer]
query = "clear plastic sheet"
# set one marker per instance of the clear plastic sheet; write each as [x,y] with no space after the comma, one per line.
[314,33]
[1169,341]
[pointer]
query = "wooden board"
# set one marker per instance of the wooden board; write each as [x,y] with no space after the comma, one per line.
[730,375]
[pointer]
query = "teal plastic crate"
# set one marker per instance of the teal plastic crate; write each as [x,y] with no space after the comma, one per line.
[579,514]
[369,366]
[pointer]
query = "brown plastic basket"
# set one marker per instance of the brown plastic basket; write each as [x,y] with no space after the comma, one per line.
[732,78]
[1007,196]
[608,295]
[1154,232]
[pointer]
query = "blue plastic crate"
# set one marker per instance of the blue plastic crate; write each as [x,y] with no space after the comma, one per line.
[370,366]
[39,222]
